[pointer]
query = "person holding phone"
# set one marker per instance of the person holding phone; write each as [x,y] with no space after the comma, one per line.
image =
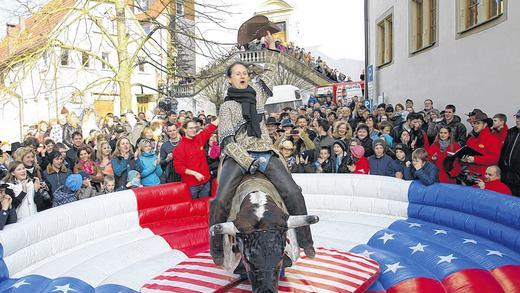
[7,212]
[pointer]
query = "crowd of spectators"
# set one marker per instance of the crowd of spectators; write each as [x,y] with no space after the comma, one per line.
[301,55]
[58,163]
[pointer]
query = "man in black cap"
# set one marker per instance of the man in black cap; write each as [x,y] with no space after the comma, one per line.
[510,158]
[272,128]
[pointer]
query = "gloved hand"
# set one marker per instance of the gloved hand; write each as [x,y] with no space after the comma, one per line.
[256,164]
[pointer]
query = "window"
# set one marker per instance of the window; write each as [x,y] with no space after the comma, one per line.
[65,57]
[104,64]
[473,13]
[180,7]
[423,24]
[141,63]
[384,41]
[85,60]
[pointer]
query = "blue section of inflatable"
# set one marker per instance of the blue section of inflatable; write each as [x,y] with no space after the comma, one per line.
[450,229]
[37,283]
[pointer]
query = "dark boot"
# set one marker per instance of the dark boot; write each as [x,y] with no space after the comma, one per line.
[229,179]
[292,195]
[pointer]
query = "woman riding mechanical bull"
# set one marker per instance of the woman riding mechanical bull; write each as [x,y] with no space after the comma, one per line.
[247,148]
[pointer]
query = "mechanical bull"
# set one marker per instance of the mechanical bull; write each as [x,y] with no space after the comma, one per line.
[259,237]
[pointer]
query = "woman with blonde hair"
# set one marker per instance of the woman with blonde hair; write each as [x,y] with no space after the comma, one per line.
[27,156]
[342,131]
[104,158]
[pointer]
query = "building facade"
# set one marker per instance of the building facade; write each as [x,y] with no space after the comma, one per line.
[461,52]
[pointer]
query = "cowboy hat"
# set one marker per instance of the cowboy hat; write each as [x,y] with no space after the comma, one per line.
[255,28]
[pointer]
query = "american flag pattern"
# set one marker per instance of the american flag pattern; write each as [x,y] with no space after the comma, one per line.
[331,271]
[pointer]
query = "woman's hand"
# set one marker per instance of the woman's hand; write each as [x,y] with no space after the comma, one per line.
[6,202]
[351,168]
[37,184]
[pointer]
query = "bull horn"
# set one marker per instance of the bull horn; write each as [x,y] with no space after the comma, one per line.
[298,221]
[224,228]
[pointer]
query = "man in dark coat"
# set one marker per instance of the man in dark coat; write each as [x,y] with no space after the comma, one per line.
[510,158]
[166,153]
[453,122]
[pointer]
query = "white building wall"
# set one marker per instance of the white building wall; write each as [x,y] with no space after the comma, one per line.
[479,70]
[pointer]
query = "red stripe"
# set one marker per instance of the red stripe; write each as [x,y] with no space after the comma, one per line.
[314,284]
[343,265]
[508,277]
[352,255]
[471,280]
[325,277]
[167,288]
[189,281]
[423,285]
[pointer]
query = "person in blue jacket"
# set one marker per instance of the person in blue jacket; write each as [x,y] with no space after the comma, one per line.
[403,162]
[423,170]
[149,164]
[122,162]
[381,163]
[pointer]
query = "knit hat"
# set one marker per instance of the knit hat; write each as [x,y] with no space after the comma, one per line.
[357,151]
[402,147]
[341,144]
[286,122]
[379,141]
[73,182]
[131,175]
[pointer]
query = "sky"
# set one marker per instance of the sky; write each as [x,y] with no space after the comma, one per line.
[333,28]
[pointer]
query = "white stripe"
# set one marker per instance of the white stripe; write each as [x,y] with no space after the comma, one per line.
[354,272]
[197,278]
[356,257]
[205,269]
[182,285]
[304,287]
[324,272]
[200,260]
[355,265]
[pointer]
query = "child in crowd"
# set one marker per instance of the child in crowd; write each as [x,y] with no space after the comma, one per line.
[403,162]
[423,170]
[8,213]
[359,163]
[323,164]
[86,190]
[381,163]
[134,179]
[108,185]
[67,193]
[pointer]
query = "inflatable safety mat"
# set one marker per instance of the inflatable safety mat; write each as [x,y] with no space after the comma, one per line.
[330,271]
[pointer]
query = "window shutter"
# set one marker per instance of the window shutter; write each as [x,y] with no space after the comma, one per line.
[462,21]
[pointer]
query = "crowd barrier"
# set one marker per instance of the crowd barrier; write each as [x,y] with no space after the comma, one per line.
[442,238]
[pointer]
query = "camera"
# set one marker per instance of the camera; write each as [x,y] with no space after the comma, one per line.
[468,177]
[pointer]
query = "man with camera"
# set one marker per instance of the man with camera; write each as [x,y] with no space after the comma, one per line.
[492,181]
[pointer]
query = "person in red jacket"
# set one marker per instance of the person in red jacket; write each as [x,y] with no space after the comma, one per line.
[499,129]
[481,140]
[444,143]
[360,163]
[189,158]
[493,182]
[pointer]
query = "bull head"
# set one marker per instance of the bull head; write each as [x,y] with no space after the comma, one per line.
[263,251]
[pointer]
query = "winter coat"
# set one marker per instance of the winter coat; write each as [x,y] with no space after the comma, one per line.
[326,167]
[86,192]
[63,195]
[498,186]
[7,217]
[72,157]
[488,146]
[340,167]
[366,143]
[444,176]
[510,160]
[55,179]
[500,134]
[383,166]
[428,174]
[405,170]
[169,173]
[458,129]
[150,171]
[213,162]
[362,166]
[121,167]
[67,134]
[56,133]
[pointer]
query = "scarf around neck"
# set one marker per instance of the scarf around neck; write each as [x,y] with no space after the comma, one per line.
[444,144]
[247,100]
